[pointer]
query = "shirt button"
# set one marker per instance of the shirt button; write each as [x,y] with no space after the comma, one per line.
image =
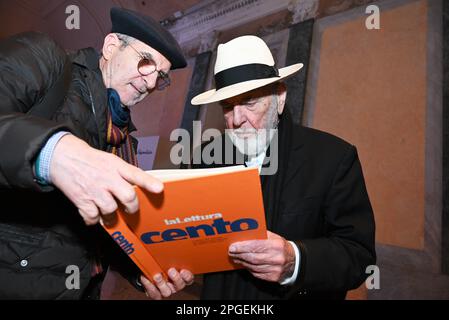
[24,263]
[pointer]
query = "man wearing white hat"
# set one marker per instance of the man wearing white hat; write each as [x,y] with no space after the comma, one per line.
[319,217]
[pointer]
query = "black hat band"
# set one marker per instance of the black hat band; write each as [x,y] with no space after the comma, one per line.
[243,73]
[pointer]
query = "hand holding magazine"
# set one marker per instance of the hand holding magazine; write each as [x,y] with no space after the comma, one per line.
[192,223]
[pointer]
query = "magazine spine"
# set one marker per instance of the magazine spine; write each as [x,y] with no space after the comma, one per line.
[130,243]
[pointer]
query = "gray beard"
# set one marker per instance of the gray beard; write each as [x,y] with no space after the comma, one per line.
[253,142]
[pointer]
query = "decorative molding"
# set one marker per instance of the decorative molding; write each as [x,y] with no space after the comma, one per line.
[303,10]
[342,5]
[208,42]
[197,30]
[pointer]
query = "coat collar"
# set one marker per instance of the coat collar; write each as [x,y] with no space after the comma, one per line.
[291,132]
[87,58]
[291,144]
[290,161]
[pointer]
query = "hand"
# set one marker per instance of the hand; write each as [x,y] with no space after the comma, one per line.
[95,180]
[162,288]
[270,260]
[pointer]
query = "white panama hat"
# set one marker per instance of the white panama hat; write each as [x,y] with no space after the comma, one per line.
[243,64]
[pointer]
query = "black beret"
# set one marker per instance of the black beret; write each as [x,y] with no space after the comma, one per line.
[150,32]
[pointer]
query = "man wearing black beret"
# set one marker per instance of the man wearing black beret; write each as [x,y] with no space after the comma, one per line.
[68,160]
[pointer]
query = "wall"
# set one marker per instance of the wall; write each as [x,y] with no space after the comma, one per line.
[381,90]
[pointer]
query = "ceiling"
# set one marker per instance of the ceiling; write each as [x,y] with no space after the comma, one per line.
[50,16]
[160,9]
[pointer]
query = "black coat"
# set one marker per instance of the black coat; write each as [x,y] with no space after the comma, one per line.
[38,224]
[318,199]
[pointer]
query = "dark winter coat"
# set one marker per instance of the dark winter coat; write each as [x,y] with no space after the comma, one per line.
[41,231]
[318,199]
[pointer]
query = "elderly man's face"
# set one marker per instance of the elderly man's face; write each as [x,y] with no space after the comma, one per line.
[251,114]
[123,70]
[254,110]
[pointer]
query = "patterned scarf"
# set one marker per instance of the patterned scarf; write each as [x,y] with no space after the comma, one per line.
[118,139]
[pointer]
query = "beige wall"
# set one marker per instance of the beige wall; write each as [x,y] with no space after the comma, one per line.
[371,91]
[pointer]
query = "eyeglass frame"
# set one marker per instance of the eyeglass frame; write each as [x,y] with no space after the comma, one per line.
[161,74]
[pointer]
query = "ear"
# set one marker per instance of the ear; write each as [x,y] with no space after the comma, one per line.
[282,94]
[110,45]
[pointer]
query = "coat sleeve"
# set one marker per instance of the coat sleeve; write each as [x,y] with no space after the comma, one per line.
[338,261]
[29,65]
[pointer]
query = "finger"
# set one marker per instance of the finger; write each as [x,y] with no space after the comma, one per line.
[256,268]
[150,290]
[89,212]
[142,179]
[106,203]
[272,235]
[254,258]
[87,220]
[161,284]
[108,220]
[248,246]
[172,287]
[270,274]
[176,279]
[126,194]
[187,276]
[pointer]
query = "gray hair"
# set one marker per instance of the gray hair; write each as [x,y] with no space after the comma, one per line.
[125,39]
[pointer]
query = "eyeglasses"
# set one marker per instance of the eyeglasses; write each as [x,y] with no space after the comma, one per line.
[147,66]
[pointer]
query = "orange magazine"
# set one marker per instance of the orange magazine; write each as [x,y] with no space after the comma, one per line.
[192,223]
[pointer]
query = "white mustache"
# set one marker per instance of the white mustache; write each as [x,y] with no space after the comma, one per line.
[251,132]
[244,131]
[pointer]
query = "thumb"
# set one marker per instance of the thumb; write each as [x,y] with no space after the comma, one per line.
[272,235]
